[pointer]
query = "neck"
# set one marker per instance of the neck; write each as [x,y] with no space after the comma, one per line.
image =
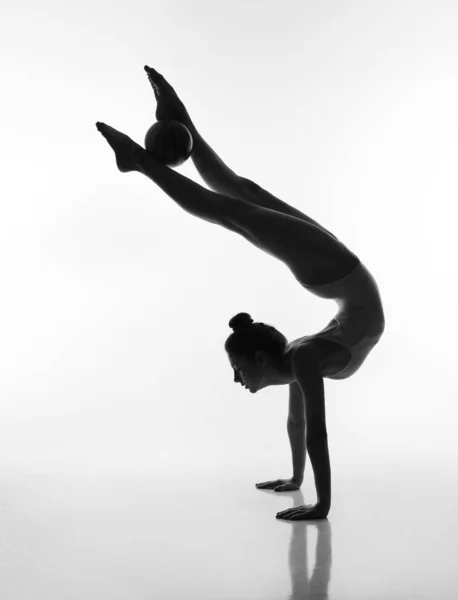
[285,370]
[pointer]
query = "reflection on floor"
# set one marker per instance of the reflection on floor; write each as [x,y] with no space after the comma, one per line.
[175,533]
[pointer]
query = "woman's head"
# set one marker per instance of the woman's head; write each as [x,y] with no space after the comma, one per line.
[257,353]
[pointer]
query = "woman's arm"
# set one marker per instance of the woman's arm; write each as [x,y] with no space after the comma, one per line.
[307,372]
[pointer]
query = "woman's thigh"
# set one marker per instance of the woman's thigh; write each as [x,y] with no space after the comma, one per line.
[314,256]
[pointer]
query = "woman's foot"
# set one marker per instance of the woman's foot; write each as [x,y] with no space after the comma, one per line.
[169,106]
[128,153]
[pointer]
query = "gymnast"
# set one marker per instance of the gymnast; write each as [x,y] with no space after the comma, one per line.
[259,355]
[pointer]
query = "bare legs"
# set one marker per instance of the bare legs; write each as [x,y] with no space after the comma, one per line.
[191,196]
[216,174]
[309,252]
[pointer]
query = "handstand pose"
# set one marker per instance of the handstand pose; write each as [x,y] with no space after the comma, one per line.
[259,354]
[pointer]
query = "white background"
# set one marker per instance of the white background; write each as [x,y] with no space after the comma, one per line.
[115,302]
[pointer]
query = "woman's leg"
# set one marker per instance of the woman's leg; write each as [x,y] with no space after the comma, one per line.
[312,255]
[224,181]
[216,174]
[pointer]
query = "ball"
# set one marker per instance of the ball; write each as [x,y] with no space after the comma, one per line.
[169,142]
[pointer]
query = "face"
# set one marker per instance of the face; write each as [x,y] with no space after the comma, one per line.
[261,373]
[243,372]
[254,375]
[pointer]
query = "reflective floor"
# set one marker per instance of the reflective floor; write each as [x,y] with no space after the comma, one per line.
[172,533]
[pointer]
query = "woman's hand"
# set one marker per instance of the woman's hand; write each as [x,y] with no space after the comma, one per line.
[303,513]
[280,485]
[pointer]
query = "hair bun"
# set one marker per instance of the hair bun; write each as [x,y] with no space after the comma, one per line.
[241,321]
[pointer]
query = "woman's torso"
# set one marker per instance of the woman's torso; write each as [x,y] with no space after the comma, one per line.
[355,329]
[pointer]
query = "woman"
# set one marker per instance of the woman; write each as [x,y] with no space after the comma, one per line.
[260,355]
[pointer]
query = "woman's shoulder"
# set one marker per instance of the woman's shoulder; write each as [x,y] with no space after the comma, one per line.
[328,355]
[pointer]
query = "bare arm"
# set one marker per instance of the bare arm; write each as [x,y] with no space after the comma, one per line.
[319,457]
[296,430]
[308,376]
[296,434]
